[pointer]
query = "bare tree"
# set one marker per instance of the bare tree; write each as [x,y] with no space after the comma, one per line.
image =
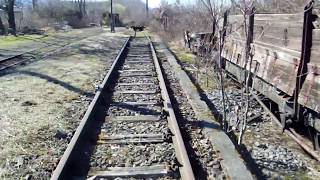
[165,14]
[82,8]
[214,9]
[247,9]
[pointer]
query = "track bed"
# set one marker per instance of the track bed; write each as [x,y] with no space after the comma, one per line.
[129,130]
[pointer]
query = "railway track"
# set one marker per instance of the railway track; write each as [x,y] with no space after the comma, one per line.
[22,57]
[130,129]
[303,142]
[8,60]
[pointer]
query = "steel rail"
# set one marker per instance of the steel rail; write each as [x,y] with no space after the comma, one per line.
[35,49]
[61,168]
[290,132]
[27,53]
[68,162]
[62,45]
[186,171]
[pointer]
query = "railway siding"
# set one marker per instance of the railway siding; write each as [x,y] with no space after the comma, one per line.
[42,102]
[232,163]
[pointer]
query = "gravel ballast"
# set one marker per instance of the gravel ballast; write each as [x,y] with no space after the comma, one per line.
[269,153]
[205,159]
[43,102]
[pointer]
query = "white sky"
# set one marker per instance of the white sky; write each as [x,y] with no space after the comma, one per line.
[156,3]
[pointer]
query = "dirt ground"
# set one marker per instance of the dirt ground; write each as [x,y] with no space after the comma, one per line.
[43,102]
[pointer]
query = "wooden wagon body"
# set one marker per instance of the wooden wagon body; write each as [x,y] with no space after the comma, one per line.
[285,52]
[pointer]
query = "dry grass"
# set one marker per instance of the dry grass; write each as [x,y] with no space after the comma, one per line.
[6,41]
[208,78]
[47,95]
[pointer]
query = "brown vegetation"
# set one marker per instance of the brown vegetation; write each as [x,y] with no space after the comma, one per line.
[202,16]
[19,15]
[208,16]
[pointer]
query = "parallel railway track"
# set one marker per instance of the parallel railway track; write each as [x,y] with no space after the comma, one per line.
[303,142]
[8,60]
[130,129]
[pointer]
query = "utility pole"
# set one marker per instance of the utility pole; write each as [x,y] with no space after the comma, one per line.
[147,8]
[111,18]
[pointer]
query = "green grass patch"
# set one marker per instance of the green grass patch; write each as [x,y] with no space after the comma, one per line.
[6,41]
[299,176]
[183,54]
[186,57]
[140,34]
[91,58]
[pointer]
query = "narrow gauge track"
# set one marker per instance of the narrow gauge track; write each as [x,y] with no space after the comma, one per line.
[304,143]
[11,60]
[130,129]
[291,132]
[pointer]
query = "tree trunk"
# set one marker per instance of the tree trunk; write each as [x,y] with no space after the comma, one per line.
[11,18]
[34,4]
[80,8]
[248,61]
[84,7]
[2,28]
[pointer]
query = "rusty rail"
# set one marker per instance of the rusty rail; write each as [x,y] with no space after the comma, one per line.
[8,59]
[290,132]
[61,169]
[70,158]
[185,170]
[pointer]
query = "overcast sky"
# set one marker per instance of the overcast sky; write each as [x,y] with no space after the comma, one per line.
[156,3]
